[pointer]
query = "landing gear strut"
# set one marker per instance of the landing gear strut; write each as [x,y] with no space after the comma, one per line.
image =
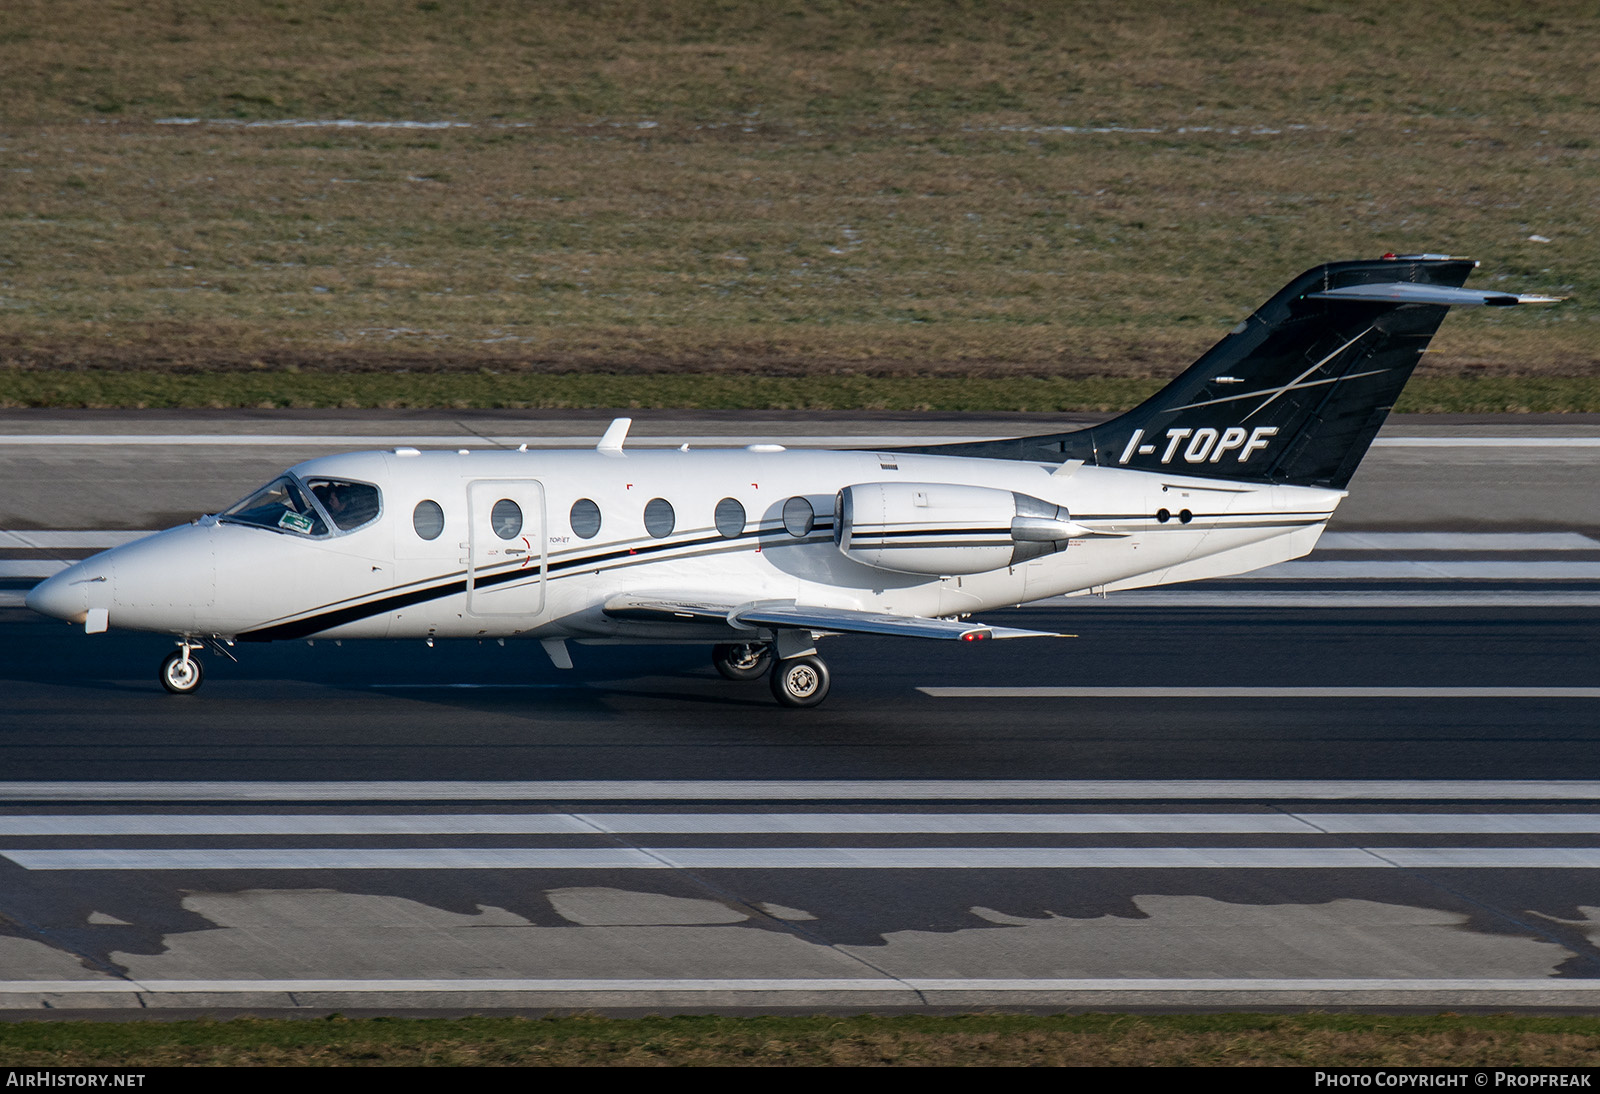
[800,681]
[742,660]
[180,672]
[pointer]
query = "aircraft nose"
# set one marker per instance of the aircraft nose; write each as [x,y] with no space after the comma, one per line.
[60,597]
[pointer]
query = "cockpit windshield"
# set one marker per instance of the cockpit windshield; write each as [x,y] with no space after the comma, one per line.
[280,505]
[350,504]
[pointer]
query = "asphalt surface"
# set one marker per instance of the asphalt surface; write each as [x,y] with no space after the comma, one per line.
[88,707]
[1370,784]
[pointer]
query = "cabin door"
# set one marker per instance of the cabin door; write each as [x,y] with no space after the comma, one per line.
[507,550]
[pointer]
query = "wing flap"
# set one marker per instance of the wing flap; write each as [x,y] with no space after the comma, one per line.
[665,608]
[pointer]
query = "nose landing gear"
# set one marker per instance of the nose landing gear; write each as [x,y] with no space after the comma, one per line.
[180,672]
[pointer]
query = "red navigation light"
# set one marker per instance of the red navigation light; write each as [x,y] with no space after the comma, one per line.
[1391,255]
[975,636]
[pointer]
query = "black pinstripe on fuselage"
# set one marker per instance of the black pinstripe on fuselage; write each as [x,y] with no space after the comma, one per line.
[327,616]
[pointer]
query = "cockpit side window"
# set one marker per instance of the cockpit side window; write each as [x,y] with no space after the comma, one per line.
[281,506]
[350,504]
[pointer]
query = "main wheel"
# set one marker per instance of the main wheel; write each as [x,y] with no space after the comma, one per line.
[742,660]
[800,681]
[180,675]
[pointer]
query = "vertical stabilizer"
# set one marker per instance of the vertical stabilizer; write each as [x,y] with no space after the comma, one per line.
[1294,394]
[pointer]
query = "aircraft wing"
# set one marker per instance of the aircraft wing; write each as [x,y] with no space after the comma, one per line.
[788,615]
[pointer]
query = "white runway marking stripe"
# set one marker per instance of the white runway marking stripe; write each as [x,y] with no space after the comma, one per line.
[1332,597]
[1424,570]
[1456,541]
[31,567]
[1486,442]
[51,540]
[1273,823]
[812,858]
[457,686]
[822,790]
[1315,692]
[295,824]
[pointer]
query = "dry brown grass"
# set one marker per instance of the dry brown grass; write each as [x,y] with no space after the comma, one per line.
[879,189]
[1084,1040]
[827,63]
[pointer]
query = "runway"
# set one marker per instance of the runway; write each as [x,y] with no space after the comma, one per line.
[1372,782]
[112,470]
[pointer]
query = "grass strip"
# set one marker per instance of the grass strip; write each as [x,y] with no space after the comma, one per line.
[486,390]
[987,1039]
[880,183]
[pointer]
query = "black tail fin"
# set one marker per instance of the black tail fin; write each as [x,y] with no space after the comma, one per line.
[1294,394]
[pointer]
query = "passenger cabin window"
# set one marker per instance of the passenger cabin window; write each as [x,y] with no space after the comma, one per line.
[506,519]
[428,519]
[659,518]
[350,504]
[585,519]
[730,518]
[798,516]
[281,506]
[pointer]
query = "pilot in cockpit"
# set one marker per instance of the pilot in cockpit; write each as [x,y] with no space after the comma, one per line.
[333,499]
[350,504]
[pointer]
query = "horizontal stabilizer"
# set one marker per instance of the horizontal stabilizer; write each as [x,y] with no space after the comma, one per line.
[1407,292]
[787,615]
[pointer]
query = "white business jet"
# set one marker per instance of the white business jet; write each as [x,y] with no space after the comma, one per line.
[759,551]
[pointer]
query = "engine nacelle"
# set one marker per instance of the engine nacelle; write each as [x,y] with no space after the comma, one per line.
[946,529]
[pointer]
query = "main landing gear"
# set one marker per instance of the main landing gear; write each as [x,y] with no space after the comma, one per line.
[798,682]
[180,672]
[742,660]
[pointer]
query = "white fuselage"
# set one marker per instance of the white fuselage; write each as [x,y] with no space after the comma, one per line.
[215,578]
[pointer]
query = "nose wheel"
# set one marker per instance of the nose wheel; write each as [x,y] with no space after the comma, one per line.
[800,681]
[180,672]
